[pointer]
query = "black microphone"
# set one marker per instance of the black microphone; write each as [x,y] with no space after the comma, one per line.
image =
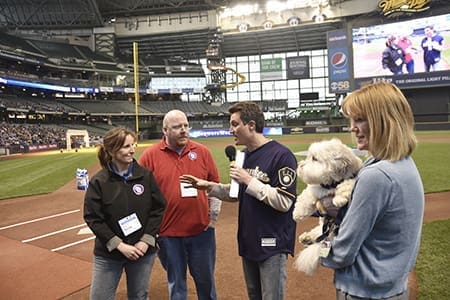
[230,152]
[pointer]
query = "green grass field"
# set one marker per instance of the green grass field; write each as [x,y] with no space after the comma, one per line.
[40,174]
[44,173]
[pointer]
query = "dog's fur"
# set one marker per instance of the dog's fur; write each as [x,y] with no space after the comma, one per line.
[328,171]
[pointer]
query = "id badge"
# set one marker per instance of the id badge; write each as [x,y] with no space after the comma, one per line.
[325,247]
[268,242]
[187,191]
[130,224]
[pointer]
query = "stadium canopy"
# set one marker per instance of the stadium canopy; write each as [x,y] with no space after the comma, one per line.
[45,16]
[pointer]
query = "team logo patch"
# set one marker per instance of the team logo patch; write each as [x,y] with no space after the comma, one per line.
[192,155]
[138,189]
[286,176]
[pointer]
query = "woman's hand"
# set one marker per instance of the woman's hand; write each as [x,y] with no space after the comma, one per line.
[197,183]
[129,251]
[143,246]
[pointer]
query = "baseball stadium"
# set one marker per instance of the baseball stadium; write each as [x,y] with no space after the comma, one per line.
[70,71]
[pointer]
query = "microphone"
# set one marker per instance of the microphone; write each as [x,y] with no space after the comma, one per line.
[236,157]
[230,152]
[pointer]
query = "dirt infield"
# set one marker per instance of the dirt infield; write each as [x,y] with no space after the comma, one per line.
[31,270]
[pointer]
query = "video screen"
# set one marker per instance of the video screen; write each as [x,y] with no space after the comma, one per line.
[409,53]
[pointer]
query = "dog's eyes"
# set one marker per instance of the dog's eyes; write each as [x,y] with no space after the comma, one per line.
[313,158]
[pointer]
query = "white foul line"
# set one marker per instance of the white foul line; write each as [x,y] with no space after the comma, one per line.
[73,244]
[40,219]
[52,233]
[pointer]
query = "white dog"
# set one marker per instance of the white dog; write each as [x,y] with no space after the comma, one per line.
[328,171]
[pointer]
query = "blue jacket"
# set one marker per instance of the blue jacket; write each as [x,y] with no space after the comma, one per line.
[379,237]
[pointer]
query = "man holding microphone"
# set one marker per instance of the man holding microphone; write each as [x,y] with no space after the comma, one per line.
[267,191]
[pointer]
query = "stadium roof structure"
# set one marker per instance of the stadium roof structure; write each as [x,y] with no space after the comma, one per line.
[59,15]
[46,15]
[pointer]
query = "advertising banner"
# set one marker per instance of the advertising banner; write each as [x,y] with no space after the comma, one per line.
[338,61]
[297,67]
[271,68]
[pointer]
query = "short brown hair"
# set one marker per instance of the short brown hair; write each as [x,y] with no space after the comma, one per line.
[250,111]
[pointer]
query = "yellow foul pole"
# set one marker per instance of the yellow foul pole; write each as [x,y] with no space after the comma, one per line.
[136,85]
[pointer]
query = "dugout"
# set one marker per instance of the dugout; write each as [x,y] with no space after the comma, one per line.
[74,133]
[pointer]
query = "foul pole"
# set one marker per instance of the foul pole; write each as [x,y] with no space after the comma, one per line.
[136,85]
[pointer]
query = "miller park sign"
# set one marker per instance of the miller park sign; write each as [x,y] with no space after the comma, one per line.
[397,7]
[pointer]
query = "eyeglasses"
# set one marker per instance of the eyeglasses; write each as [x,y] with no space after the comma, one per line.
[180,126]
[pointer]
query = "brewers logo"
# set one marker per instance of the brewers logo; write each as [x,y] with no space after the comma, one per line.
[287,176]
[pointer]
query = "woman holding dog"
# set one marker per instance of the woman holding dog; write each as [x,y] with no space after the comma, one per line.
[379,237]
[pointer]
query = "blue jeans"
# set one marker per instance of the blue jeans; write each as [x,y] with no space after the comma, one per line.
[410,66]
[266,280]
[340,295]
[199,253]
[107,273]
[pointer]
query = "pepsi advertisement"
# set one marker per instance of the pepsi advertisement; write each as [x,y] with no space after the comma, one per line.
[338,62]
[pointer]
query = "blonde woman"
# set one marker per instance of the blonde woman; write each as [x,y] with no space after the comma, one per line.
[378,240]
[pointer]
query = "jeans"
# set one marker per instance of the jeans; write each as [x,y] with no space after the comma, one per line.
[340,295]
[107,273]
[410,66]
[266,280]
[199,253]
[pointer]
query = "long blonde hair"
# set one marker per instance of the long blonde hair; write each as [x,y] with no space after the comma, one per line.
[112,142]
[389,116]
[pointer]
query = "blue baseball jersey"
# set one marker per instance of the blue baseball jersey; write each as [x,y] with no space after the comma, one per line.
[431,55]
[264,231]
